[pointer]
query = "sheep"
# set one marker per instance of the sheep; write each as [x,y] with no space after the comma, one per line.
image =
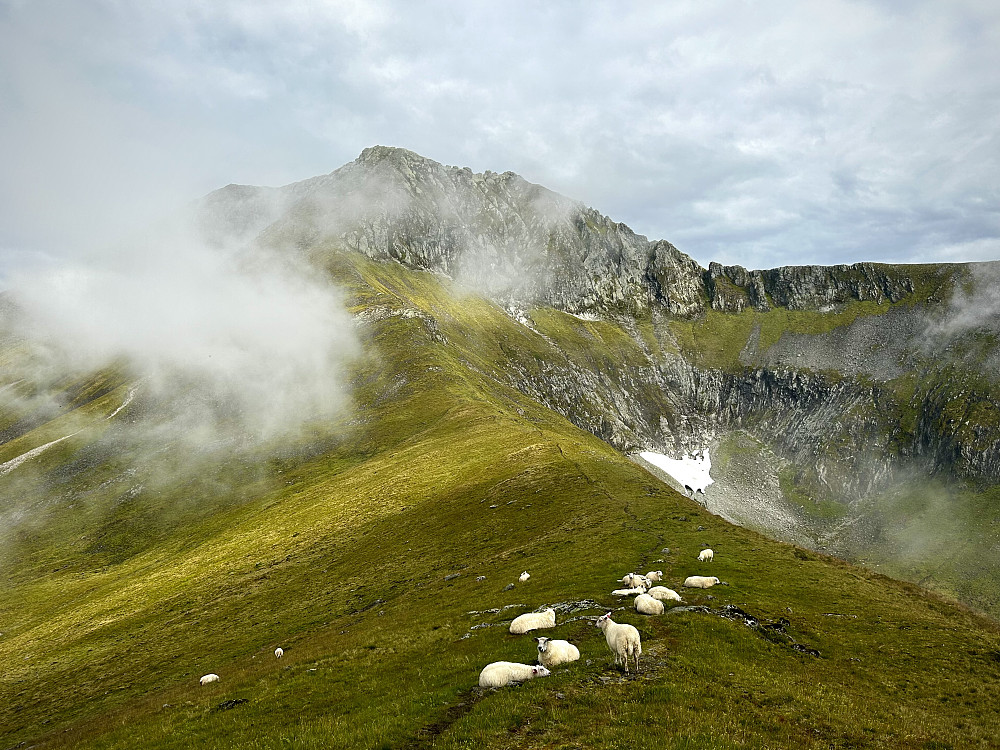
[664,594]
[706,556]
[279,652]
[503,673]
[553,653]
[701,582]
[633,580]
[524,576]
[533,621]
[212,677]
[629,592]
[647,605]
[654,576]
[623,640]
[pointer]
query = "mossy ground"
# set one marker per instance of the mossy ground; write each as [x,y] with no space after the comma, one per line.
[338,552]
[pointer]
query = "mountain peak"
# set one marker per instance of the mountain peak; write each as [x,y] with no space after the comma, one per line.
[378,154]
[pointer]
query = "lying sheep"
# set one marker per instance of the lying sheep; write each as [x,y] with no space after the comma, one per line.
[664,594]
[212,677]
[706,556]
[553,653]
[533,621]
[634,580]
[647,605]
[279,652]
[623,640]
[629,592]
[503,673]
[654,576]
[524,576]
[701,582]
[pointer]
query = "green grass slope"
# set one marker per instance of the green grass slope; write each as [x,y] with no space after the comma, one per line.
[344,552]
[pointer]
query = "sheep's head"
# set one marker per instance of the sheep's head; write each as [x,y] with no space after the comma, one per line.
[603,620]
[540,671]
[716,579]
[543,643]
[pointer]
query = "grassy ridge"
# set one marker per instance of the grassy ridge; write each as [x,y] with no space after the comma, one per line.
[341,558]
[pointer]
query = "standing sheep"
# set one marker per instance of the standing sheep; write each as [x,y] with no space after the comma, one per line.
[664,594]
[647,605]
[701,582]
[706,556]
[503,673]
[211,677]
[279,652]
[533,621]
[623,640]
[553,653]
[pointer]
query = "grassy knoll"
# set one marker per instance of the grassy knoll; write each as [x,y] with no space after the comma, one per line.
[339,552]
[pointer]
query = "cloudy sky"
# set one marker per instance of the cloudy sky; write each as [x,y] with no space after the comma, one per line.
[759,133]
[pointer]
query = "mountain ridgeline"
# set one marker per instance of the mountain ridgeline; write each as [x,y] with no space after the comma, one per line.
[849,382]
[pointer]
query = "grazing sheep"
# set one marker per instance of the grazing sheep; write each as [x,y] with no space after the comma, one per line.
[701,582]
[524,576]
[664,594]
[279,652]
[647,605]
[629,592]
[212,677]
[553,653]
[503,673]
[654,576]
[533,621]
[706,556]
[623,640]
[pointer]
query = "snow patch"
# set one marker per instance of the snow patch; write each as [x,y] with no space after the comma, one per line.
[9,466]
[691,472]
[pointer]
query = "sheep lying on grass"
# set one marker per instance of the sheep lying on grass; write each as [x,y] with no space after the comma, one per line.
[664,594]
[706,555]
[623,640]
[634,580]
[647,605]
[552,653]
[654,576]
[629,592]
[533,621]
[524,576]
[212,677]
[701,582]
[503,673]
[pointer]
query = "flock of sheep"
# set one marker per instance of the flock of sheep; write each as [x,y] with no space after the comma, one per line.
[622,639]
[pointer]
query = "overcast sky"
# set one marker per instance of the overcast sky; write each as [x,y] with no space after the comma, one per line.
[758,133]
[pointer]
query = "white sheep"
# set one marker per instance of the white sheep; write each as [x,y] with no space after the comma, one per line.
[664,594]
[654,576]
[647,605]
[524,576]
[706,556]
[279,652]
[701,582]
[623,640]
[533,621]
[629,592]
[212,677]
[552,653]
[503,673]
[633,580]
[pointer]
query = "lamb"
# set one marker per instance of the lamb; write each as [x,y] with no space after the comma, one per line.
[647,605]
[623,640]
[664,594]
[532,621]
[524,576]
[706,556]
[279,652]
[503,673]
[701,582]
[552,653]
[654,576]
[629,592]
[634,580]
[211,677]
